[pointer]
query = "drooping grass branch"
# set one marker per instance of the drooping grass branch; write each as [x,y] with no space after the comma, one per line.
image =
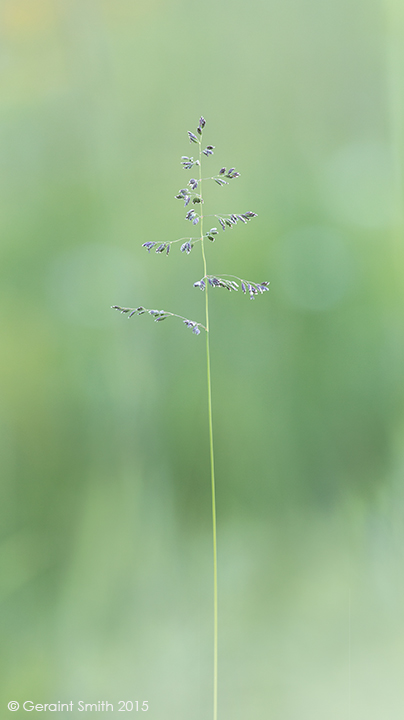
[159,315]
[192,195]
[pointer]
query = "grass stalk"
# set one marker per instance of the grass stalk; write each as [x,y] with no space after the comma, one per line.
[231,283]
[212,460]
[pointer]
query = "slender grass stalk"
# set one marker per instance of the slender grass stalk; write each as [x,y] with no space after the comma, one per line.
[193,193]
[212,459]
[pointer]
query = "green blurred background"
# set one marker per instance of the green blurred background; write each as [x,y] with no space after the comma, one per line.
[105,555]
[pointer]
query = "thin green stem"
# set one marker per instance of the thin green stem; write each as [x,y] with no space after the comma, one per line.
[212,461]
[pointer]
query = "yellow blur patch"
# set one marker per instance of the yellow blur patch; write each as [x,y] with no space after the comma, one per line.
[27,16]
